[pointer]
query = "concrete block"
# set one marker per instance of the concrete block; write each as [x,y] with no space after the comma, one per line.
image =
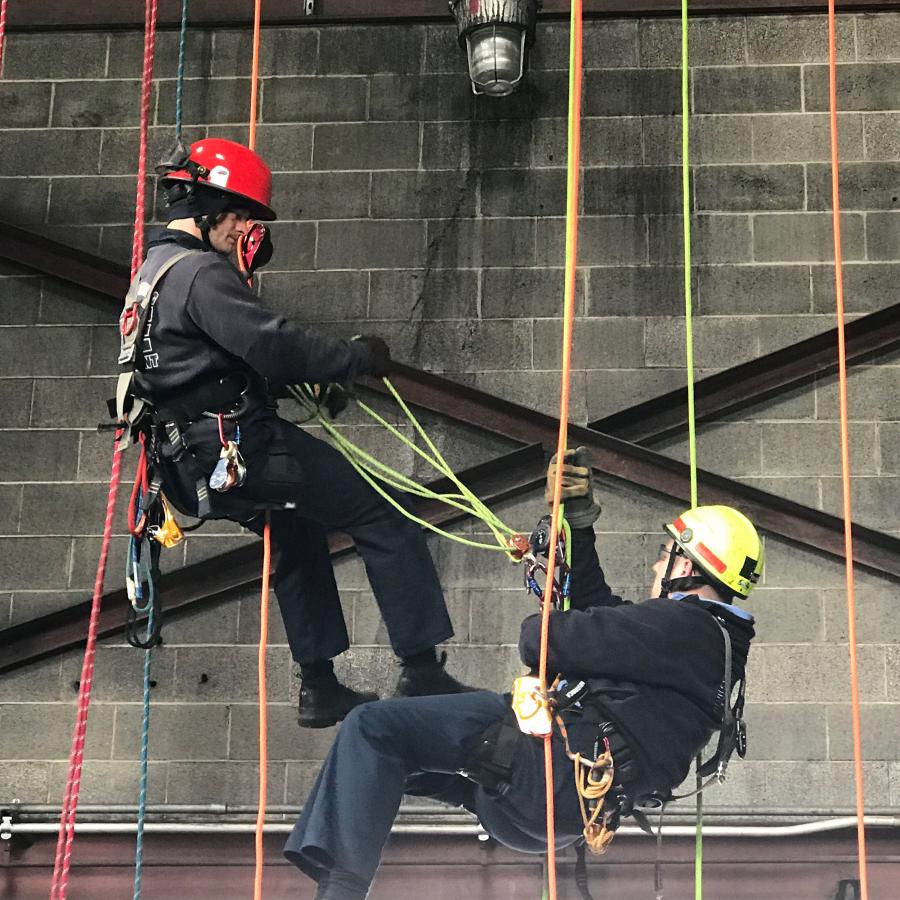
[472,243]
[881,133]
[864,185]
[15,401]
[543,95]
[67,304]
[511,293]
[878,36]
[45,152]
[248,620]
[636,290]
[744,787]
[476,145]
[420,98]
[213,674]
[789,566]
[369,629]
[33,562]
[116,241]
[37,456]
[95,453]
[120,147]
[368,51]
[610,43]
[316,296]
[883,235]
[430,293]
[211,100]
[301,776]
[126,53]
[100,201]
[27,782]
[201,547]
[632,92]
[746,90]
[605,142]
[285,51]
[796,39]
[719,341]
[796,237]
[488,668]
[24,200]
[864,86]
[804,137]
[38,682]
[798,673]
[749,188]
[375,243]
[880,727]
[369,145]
[754,290]
[801,490]
[177,731]
[599,343]
[44,731]
[831,784]
[94,104]
[867,286]
[787,615]
[28,605]
[20,300]
[119,673]
[312,100]
[496,618]
[285,148]
[470,346]
[83,566]
[523,192]
[893,673]
[602,241]
[108,781]
[216,625]
[442,50]
[538,391]
[33,57]
[426,195]
[874,500]
[737,449]
[286,741]
[10,508]
[872,391]
[777,333]
[786,731]
[25,105]
[714,239]
[807,447]
[633,190]
[714,139]
[62,508]
[322,195]
[713,41]
[609,391]
[889,437]
[295,244]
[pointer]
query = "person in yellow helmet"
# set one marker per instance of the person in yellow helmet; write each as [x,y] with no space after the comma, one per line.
[650,683]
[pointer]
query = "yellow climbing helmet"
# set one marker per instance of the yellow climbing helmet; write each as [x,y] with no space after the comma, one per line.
[723,543]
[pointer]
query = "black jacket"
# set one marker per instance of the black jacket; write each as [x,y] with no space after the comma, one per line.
[655,668]
[206,323]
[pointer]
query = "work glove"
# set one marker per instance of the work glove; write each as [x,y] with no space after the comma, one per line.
[582,508]
[381,364]
[336,399]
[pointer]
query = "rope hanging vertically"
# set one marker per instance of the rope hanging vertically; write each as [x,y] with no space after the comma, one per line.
[845,455]
[179,76]
[254,73]
[573,164]
[3,5]
[63,856]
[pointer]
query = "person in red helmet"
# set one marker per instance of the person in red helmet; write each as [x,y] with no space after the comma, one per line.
[207,360]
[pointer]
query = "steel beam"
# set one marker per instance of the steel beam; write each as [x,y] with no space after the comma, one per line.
[211,13]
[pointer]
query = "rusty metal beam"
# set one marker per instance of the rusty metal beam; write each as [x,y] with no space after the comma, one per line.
[211,13]
[223,577]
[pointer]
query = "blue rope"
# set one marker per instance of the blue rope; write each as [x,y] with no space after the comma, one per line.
[179,83]
[145,756]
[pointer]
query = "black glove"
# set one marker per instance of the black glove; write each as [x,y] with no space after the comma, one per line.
[381,364]
[336,399]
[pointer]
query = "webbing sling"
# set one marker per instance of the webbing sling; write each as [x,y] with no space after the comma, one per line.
[132,325]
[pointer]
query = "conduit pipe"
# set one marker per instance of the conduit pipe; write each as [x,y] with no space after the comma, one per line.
[461,830]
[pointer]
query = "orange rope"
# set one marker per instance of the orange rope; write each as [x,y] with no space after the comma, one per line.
[845,455]
[574,158]
[254,74]
[263,723]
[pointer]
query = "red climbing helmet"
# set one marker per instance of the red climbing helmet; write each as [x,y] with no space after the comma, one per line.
[235,171]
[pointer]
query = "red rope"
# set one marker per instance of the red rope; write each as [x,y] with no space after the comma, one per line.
[63,858]
[845,456]
[3,4]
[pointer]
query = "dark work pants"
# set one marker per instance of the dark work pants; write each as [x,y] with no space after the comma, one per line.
[288,465]
[416,745]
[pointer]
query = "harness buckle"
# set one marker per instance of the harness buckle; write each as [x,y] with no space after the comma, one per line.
[129,319]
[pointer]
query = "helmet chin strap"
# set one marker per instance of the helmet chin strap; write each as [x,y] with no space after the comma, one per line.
[669,585]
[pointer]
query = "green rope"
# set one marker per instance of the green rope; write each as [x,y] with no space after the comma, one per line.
[689,352]
[376,473]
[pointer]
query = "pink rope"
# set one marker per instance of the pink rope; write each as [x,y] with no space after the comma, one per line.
[2,30]
[65,838]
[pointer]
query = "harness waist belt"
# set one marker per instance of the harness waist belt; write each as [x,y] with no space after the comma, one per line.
[232,395]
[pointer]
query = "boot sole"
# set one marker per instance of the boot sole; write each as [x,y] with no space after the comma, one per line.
[318,723]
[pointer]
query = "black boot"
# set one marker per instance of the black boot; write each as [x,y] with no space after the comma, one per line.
[420,679]
[324,701]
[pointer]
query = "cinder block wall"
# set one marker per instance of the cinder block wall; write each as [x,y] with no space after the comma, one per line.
[411,209]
